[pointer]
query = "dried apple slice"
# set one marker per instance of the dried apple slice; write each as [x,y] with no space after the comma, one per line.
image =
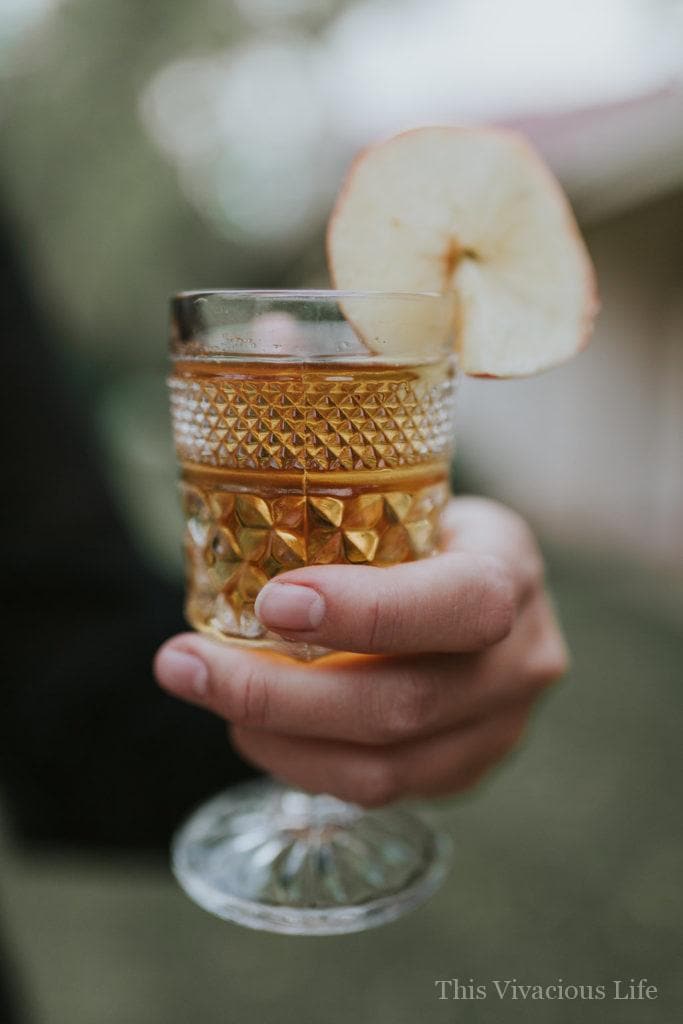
[477,214]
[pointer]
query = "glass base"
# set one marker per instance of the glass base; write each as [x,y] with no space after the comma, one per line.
[281,860]
[268,642]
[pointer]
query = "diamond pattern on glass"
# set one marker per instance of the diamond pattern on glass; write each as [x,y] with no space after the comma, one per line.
[320,422]
[286,465]
[236,543]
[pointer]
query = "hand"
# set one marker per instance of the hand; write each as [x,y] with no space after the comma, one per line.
[463,643]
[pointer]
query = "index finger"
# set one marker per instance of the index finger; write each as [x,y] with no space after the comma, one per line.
[482,526]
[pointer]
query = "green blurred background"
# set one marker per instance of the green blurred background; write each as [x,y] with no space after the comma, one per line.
[149,147]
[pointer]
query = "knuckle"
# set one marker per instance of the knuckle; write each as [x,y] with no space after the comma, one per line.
[377,784]
[531,564]
[374,616]
[381,622]
[548,662]
[525,537]
[250,705]
[405,708]
[532,570]
[529,559]
[496,609]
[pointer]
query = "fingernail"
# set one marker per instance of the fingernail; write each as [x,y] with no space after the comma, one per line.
[183,674]
[288,606]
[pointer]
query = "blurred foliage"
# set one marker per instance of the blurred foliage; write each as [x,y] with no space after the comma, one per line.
[98,209]
[103,225]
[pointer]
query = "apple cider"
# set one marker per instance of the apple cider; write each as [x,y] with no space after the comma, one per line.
[287,463]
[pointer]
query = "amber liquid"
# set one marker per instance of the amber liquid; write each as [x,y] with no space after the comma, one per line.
[291,464]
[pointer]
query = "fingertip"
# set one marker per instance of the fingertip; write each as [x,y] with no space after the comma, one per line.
[181,672]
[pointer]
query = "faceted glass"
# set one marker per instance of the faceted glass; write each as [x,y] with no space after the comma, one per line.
[310,428]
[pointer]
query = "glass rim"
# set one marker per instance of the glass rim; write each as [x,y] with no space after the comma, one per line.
[326,323]
[302,294]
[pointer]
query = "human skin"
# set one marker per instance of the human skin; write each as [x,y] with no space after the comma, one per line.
[461,646]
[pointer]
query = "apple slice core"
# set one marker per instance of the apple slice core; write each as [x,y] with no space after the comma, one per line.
[475,213]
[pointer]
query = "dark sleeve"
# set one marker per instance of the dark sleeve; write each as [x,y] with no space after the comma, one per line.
[90,750]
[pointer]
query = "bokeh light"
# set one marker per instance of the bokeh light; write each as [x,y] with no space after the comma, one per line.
[260,132]
[18,18]
[248,135]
